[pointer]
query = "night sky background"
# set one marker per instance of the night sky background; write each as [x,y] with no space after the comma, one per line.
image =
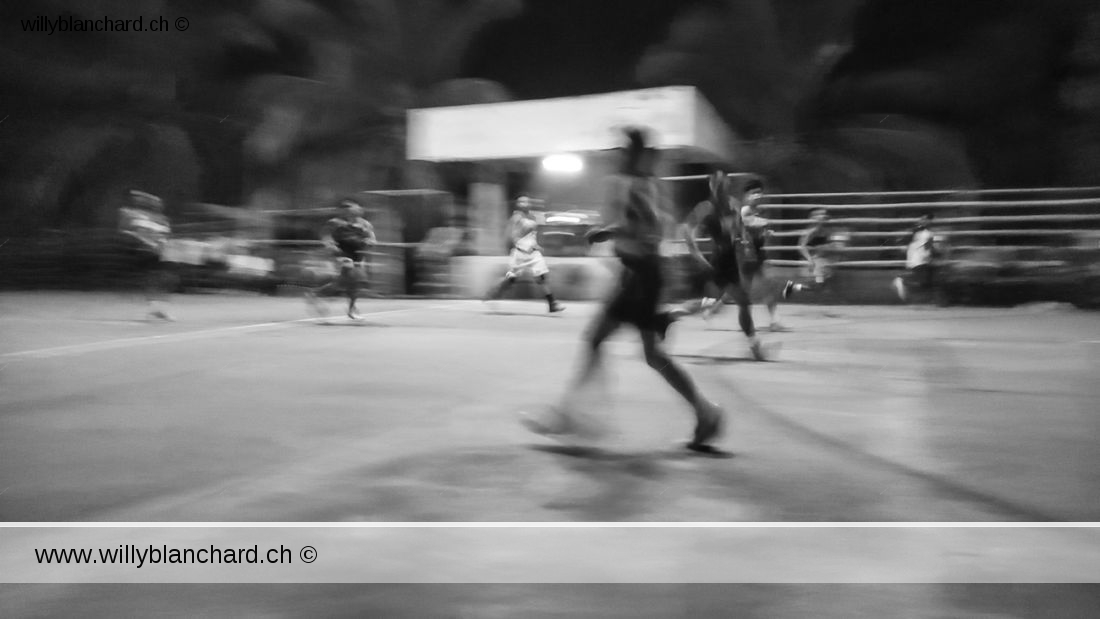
[860,94]
[560,48]
[287,103]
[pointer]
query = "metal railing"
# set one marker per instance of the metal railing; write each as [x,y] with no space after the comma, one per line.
[877,222]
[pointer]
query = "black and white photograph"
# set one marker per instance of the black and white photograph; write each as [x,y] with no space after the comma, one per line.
[548,308]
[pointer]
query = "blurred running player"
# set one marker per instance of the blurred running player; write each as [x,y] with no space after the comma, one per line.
[634,226]
[757,230]
[732,251]
[147,230]
[919,254]
[349,237]
[820,246]
[526,256]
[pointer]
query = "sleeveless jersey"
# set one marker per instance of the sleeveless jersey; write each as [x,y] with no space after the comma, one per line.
[720,228]
[820,236]
[150,227]
[350,236]
[524,232]
[637,199]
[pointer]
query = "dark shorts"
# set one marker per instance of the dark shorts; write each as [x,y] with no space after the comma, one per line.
[353,251]
[751,272]
[638,295]
[140,257]
[921,276]
[726,269]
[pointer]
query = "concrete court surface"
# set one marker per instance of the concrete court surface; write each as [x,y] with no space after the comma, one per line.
[754,601]
[244,410]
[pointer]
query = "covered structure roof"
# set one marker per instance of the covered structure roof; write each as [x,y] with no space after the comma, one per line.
[679,117]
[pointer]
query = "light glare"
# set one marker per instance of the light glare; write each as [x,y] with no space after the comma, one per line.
[564,164]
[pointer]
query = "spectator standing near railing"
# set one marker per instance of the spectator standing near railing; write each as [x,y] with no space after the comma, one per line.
[147,230]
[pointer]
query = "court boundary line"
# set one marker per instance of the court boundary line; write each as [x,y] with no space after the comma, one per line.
[556,524]
[127,342]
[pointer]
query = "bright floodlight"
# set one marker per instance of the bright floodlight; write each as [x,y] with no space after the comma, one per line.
[563,164]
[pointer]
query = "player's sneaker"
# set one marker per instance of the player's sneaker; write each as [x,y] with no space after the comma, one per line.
[777,327]
[899,288]
[787,288]
[159,311]
[707,428]
[559,423]
[315,305]
[161,315]
[709,307]
[554,422]
[354,314]
[756,347]
[556,307]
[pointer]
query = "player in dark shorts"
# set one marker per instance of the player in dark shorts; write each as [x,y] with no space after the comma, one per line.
[756,281]
[349,237]
[146,230]
[819,245]
[719,218]
[634,225]
[757,230]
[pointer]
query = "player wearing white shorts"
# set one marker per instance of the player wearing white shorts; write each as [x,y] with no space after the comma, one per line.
[526,257]
[919,254]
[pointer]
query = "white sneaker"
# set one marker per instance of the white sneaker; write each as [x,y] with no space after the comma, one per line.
[709,307]
[899,288]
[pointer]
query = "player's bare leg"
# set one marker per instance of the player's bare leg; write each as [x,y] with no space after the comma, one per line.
[744,318]
[771,301]
[499,289]
[551,303]
[708,416]
[352,275]
[314,298]
[768,293]
[157,284]
[562,418]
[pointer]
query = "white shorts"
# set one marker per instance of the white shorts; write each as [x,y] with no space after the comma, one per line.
[822,268]
[527,262]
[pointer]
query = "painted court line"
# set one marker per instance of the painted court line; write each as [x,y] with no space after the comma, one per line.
[76,349]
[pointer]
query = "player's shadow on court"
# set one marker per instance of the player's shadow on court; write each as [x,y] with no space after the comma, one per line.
[352,323]
[528,314]
[643,463]
[713,359]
